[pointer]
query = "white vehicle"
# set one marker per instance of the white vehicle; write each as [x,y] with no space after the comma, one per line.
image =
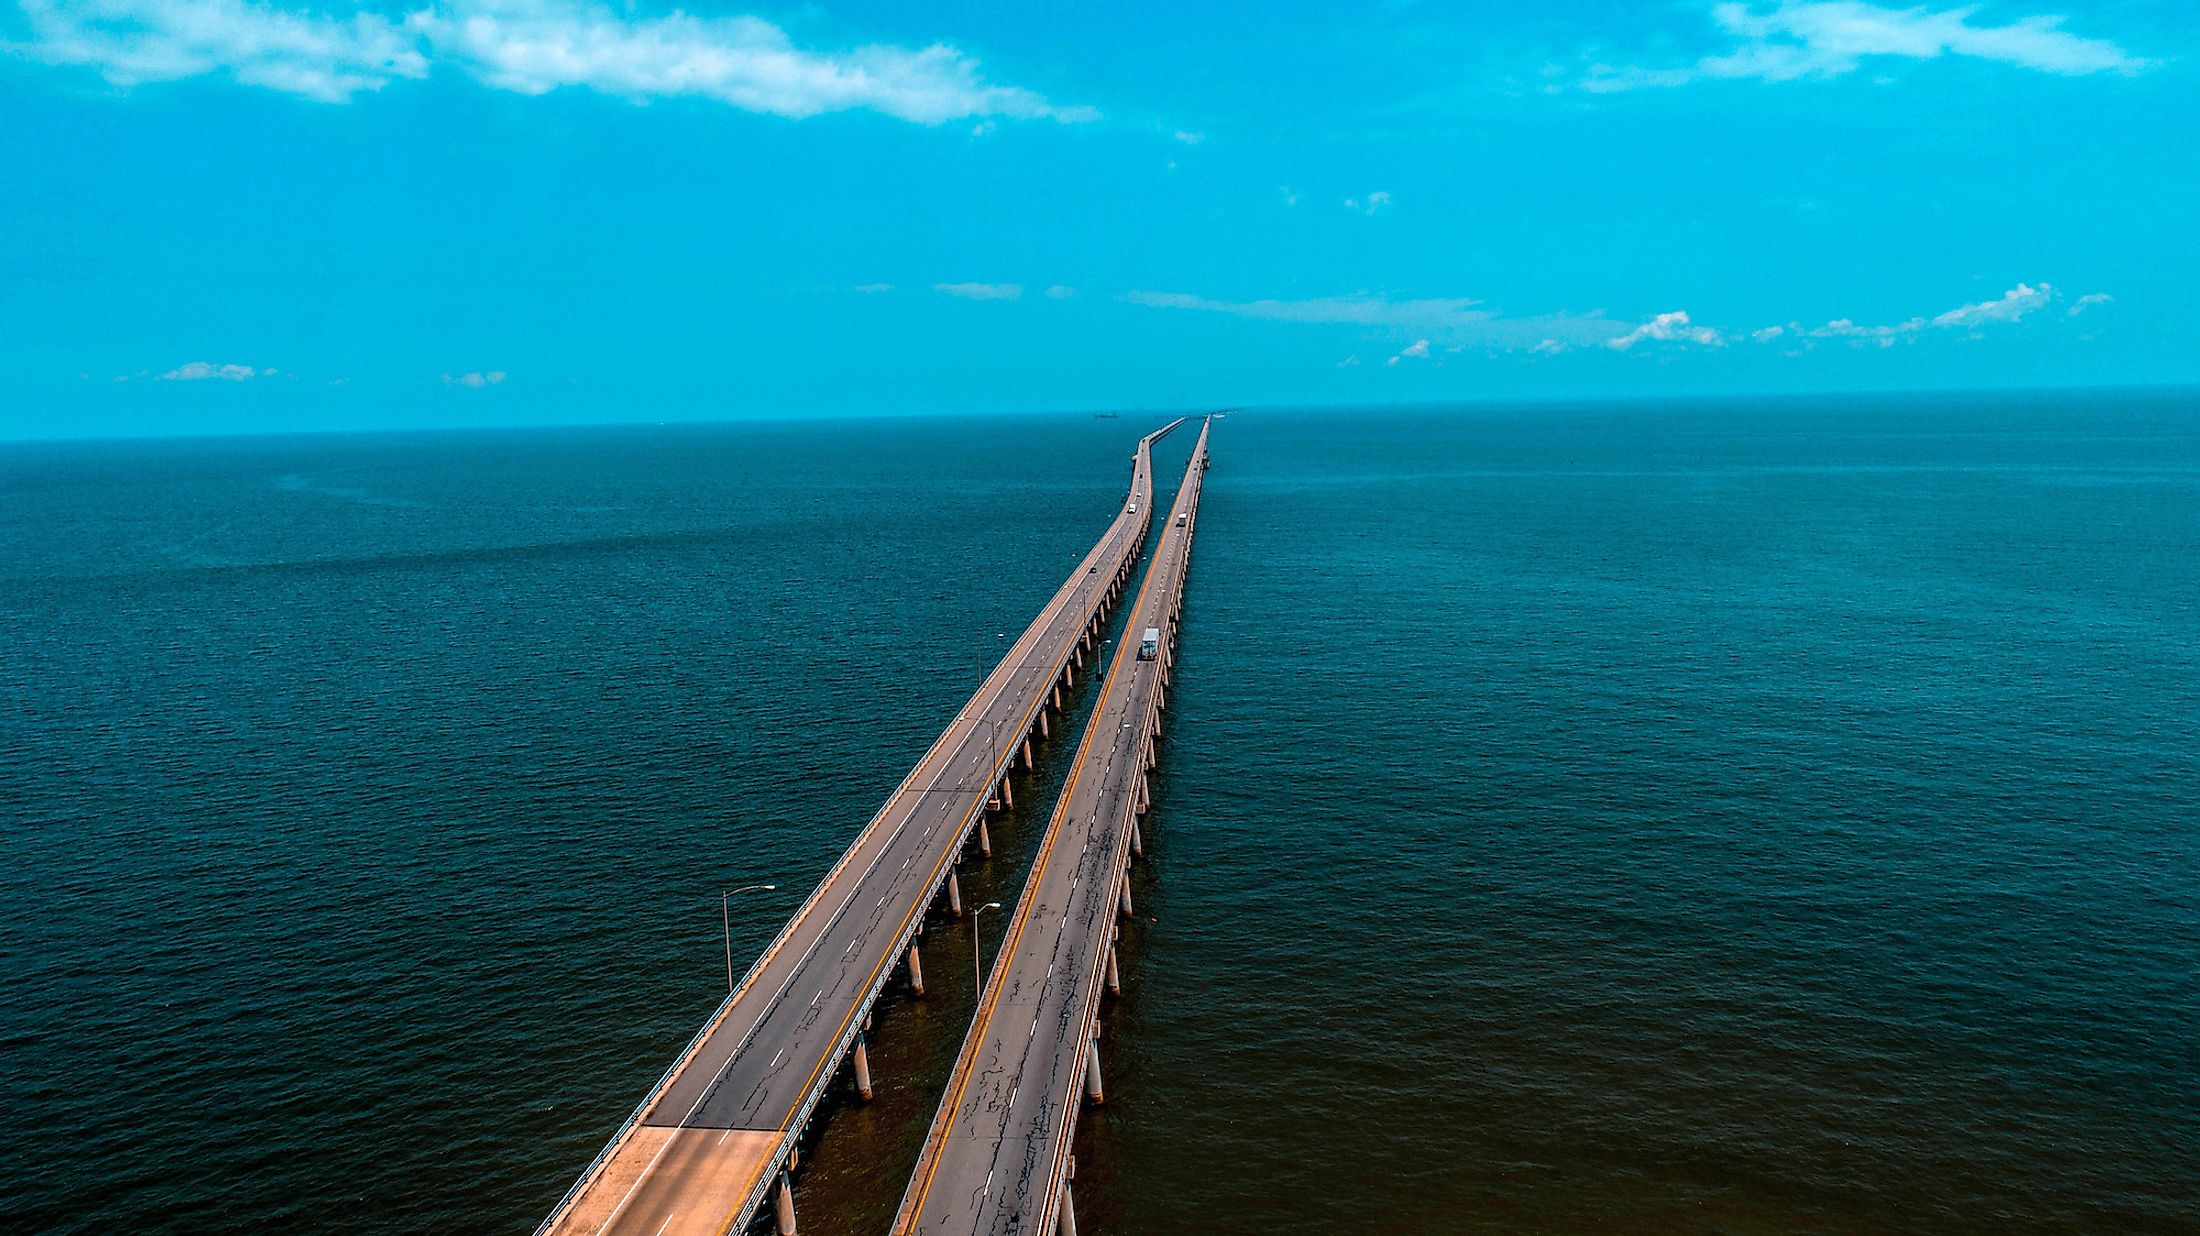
[1149,647]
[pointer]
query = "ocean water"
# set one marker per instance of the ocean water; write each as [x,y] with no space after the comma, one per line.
[1737,816]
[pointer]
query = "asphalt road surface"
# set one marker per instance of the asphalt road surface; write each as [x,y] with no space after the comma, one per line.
[996,1160]
[703,1150]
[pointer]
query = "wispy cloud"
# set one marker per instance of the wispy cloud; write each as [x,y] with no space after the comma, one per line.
[475,381]
[2011,306]
[204,371]
[526,46]
[981,291]
[1061,291]
[2089,300]
[1189,138]
[1668,328]
[1828,38]
[2008,307]
[873,289]
[1370,204]
[1359,309]
[1459,323]
[1417,350]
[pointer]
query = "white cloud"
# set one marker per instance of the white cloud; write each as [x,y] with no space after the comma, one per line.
[1417,350]
[1671,327]
[1061,291]
[203,371]
[2013,304]
[475,381]
[1547,347]
[1768,334]
[527,46]
[1830,38]
[1189,138]
[2089,300]
[303,53]
[872,289]
[981,291]
[1373,202]
[1360,309]
[1290,197]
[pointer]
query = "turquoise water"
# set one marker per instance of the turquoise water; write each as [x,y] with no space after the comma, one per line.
[1736,816]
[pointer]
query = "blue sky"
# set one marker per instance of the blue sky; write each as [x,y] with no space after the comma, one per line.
[222,215]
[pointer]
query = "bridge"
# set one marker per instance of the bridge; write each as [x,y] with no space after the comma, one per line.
[716,1133]
[997,1159]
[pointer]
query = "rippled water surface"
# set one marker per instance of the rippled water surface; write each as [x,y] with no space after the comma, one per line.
[1721,817]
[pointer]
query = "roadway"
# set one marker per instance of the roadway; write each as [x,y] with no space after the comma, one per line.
[705,1148]
[997,1158]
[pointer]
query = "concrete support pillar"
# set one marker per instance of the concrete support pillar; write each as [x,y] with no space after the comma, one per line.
[1127,913]
[1138,839]
[954,895]
[863,1055]
[1068,1222]
[985,840]
[794,1157]
[1115,988]
[1008,792]
[1044,732]
[916,968]
[786,1205]
[1057,699]
[1027,754]
[1093,1090]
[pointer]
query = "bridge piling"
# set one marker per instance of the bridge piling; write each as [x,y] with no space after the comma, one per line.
[985,840]
[1067,1225]
[1092,1072]
[786,1205]
[916,970]
[863,1069]
[1115,978]
[954,895]
[1127,911]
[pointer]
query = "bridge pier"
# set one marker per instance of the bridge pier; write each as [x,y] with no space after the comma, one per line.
[1044,732]
[985,840]
[1127,913]
[916,969]
[1068,1222]
[1057,699]
[1027,752]
[1092,1072]
[1115,988]
[1138,839]
[954,895]
[786,1205]
[1008,793]
[863,1064]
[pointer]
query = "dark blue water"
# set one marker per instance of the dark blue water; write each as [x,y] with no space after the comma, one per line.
[1737,817]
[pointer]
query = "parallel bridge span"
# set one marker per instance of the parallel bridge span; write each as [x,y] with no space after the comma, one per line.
[714,1136]
[997,1160]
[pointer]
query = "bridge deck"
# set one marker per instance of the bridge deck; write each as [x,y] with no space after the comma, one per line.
[701,1152]
[997,1155]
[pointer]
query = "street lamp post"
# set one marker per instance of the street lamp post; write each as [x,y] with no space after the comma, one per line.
[725,916]
[977,963]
